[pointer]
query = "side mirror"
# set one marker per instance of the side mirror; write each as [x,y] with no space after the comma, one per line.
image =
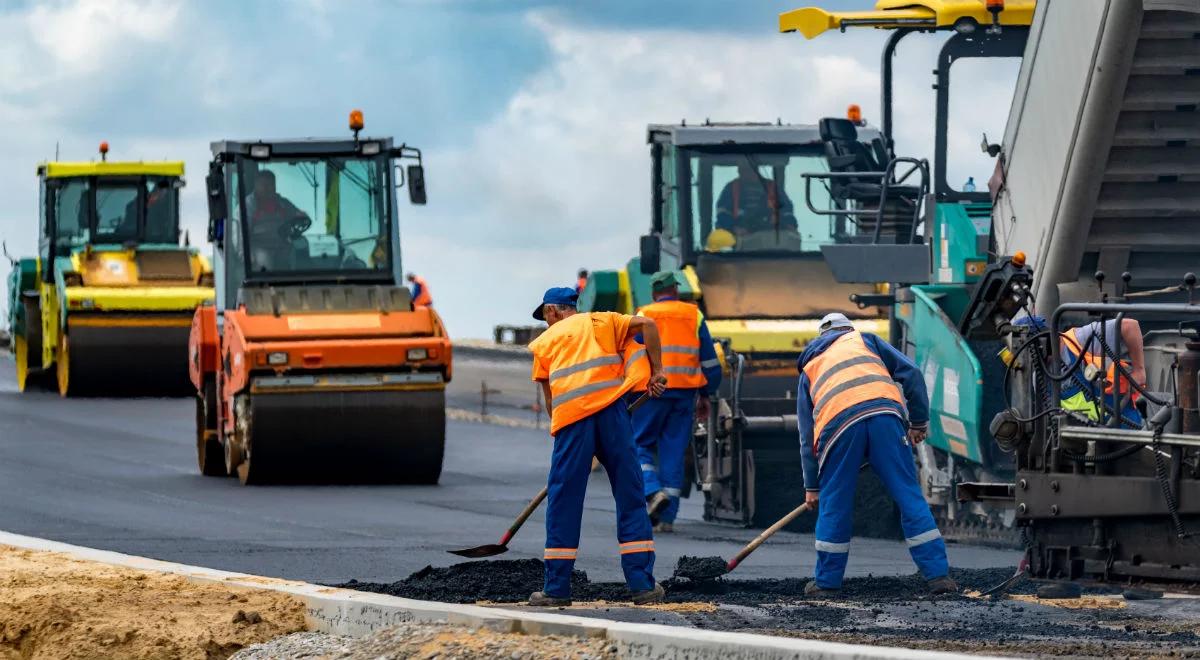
[416,184]
[217,205]
[651,254]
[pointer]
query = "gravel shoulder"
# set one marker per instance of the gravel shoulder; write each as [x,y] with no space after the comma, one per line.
[431,640]
[53,606]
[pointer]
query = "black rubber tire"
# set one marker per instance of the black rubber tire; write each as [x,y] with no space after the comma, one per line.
[210,455]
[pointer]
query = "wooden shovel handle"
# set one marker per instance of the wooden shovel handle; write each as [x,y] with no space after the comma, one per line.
[766,534]
[529,509]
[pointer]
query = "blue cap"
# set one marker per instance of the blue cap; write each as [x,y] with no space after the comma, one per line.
[559,295]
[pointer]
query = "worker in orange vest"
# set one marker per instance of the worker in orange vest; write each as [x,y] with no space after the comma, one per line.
[581,280]
[662,428]
[861,400]
[580,361]
[420,291]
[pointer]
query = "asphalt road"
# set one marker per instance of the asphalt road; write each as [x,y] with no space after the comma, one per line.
[120,474]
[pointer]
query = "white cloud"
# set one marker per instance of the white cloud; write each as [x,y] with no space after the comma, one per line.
[564,170]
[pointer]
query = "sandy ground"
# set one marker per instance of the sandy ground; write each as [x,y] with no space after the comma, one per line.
[52,606]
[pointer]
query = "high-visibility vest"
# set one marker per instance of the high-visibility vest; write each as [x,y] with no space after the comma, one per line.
[845,375]
[637,367]
[580,284]
[679,331]
[423,298]
[586,368]
[1071,345]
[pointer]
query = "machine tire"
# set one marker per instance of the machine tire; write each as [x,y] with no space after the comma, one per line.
[210,455]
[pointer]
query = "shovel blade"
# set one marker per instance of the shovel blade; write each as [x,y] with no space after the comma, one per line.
[490,550]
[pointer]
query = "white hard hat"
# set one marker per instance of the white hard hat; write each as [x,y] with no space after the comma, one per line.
[833,321]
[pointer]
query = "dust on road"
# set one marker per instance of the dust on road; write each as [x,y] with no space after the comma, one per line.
[53,606]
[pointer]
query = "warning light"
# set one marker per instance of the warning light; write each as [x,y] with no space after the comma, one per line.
[104,150]
[854,114]
[1018,259]
[995,5]
[356,120]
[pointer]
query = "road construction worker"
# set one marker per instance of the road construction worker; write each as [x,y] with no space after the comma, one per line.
[1081,392]
[752,203]
[420,291]
[860,400]
[580,362]
[581,280]
[662,428]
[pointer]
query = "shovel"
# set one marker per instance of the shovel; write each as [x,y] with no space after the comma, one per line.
[493,549]
[706,569]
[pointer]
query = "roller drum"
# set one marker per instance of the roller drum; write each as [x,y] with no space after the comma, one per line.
[370,436]
[113,359]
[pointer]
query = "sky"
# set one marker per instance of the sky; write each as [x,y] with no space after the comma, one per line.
[531,114]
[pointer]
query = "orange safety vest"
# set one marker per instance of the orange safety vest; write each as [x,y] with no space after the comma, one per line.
[1110,373]
[679,330]
[586,367]
[423,298]
[845,375]
[580,284]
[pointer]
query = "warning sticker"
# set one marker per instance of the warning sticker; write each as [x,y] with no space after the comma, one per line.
[950,390]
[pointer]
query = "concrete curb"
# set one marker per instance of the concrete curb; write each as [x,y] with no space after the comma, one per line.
[357,613]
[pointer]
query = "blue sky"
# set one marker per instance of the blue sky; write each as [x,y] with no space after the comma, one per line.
[531,113]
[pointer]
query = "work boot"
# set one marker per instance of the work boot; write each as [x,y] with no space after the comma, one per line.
[943,585]
[650,596]
[664,528]
[814,589]
[656,504]
[540,599]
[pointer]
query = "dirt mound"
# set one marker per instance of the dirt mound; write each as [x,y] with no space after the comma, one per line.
[52,606]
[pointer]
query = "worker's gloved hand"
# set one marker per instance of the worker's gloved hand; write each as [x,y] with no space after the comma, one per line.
[812,498]
[658,384]
[917,435]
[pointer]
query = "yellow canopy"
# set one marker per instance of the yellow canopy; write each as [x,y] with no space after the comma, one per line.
[892,14]
[112,168]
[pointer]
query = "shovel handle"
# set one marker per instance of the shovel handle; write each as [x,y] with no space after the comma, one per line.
[766,534]
[525,513]
[639,402]
[529,509]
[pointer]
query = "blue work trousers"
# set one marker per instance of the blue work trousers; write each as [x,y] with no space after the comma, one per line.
[879,440]
[662,429]
[607,435]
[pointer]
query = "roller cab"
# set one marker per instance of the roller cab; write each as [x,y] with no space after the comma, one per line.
[313,364]
[107,302]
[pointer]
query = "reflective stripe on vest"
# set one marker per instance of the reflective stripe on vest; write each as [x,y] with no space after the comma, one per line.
[679,330]
[637,367]
[586,375]
[846,374]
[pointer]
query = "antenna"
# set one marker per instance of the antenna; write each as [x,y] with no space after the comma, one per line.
[56,150]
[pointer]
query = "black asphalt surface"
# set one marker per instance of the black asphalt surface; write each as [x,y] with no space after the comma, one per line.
[120,474]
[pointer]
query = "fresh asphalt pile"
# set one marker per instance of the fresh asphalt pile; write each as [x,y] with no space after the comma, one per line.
[890,610]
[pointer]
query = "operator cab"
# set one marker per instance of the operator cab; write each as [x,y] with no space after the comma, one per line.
[308,212]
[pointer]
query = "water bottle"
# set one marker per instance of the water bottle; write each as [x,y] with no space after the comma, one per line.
[969,186]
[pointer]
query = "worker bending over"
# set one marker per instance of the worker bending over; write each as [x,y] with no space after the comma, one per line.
[858,397]
[662,428]
[420,291]
[580,362]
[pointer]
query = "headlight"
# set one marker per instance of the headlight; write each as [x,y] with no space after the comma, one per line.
[370,148]
[277,359]
[260,151]
[417,354]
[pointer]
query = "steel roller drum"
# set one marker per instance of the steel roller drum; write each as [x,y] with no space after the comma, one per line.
[355,436]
